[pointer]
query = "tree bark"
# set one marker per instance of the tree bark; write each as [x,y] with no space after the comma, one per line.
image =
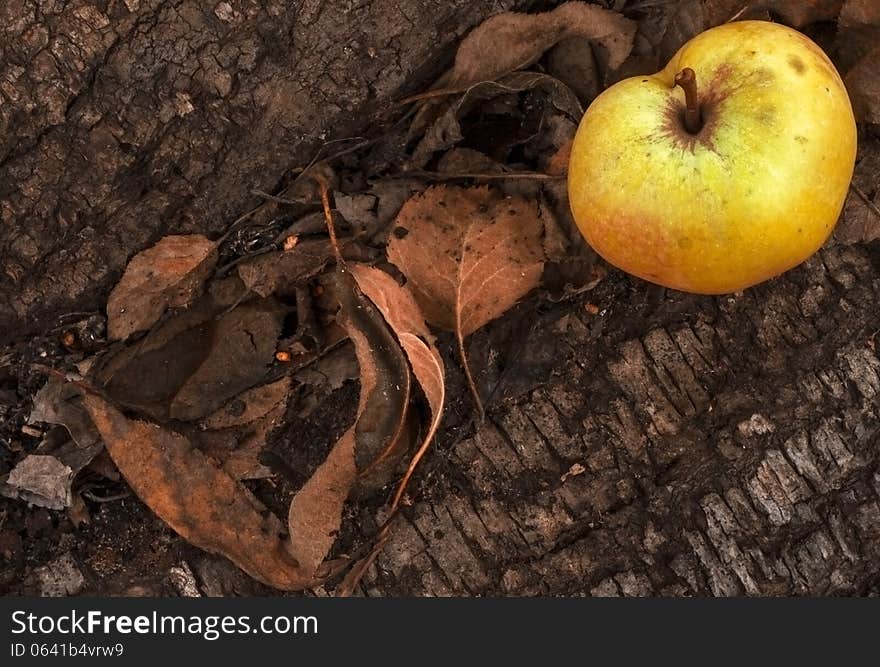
[123,121]
[690,446]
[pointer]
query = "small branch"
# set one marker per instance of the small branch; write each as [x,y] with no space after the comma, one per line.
[870,204]
[501,176]
[328,218]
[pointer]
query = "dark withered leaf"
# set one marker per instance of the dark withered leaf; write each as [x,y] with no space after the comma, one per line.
[512,41]
[446,132]
[242,348]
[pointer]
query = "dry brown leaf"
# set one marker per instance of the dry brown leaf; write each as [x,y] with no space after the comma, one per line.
[512,41]
[235,434]
[572,62]
[199,501]
[282,271]
[366,454]
[468,255]
[249,406]
[857,13]
[798,13]
[403,315]
[168,275]
[380,427]
[863,84]
[316,510]
[242,348]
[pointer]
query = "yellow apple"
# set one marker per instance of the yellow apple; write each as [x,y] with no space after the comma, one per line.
[726,168]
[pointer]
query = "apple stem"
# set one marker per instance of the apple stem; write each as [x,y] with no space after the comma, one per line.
[687,79]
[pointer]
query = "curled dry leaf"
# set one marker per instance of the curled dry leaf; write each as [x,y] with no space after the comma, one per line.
[799,13]
[403,315]
[468,256]
[41,480]
[369,450]
[168,275]
[197,499]
[512,41]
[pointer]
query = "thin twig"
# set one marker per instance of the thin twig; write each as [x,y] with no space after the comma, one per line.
[89,389]
[500,176]
[328,218]
[281,200]
[106,499]
[870,204]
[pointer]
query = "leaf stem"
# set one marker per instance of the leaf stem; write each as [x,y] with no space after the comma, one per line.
[687,79]
[470,378]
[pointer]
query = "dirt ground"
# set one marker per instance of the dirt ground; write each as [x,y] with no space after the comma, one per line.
[637,441]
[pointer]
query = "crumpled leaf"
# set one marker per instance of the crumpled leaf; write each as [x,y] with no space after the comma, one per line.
[512,41]
[45,478]
[402,314]
[168,275]
[41,480]
[201,502]
[468,255]
[60,402]
[368,451]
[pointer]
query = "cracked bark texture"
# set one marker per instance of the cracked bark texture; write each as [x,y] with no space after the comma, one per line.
[125,120]
[696,446]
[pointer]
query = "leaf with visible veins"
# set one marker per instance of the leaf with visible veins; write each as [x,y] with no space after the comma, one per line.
[468,254]
[197,499]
